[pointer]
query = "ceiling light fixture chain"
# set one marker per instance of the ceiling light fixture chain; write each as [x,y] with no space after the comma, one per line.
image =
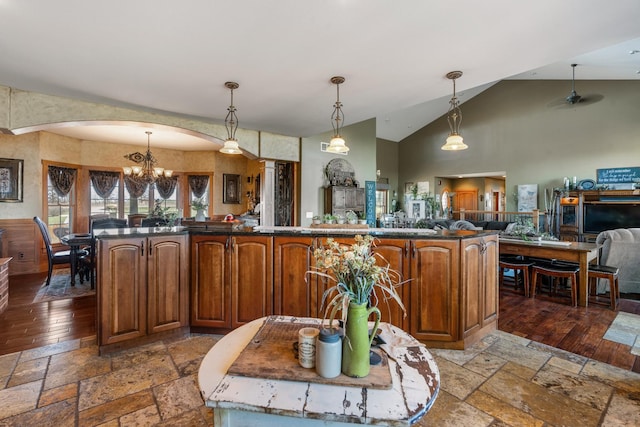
[147,172]
[337,143]
[231,124]
[454,118]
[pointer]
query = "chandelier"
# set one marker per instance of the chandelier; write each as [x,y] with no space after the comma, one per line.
[145,170]
[454,117]
[231,124]
[337,144]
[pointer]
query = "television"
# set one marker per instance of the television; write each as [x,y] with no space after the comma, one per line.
[601,217]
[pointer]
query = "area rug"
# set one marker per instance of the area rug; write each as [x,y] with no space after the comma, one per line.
[625,329]
[60,288]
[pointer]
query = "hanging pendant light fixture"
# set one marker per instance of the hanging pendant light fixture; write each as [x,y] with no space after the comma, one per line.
[146,169]
[231,124]
[454,117]
[337,144]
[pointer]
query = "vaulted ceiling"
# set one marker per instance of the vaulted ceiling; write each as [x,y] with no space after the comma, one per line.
[175,57]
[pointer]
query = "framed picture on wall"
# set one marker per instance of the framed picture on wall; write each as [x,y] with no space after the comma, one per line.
[417,209]
[11,177]
[230,188]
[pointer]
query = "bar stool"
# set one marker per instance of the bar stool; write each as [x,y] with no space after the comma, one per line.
[605,272]
[553,270]
[518,265]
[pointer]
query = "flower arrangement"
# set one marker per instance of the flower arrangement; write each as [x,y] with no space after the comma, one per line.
[355,271]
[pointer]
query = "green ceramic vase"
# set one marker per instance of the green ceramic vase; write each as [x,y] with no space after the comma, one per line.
[357,342]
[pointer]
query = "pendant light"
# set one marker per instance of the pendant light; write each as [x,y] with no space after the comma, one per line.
[337,144]
[231,124]
[454,117]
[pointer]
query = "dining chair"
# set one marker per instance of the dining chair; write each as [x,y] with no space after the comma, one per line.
[54,257]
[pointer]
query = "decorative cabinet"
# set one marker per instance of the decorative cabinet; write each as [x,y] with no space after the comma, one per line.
[143,287]
[339,200]
[231,280]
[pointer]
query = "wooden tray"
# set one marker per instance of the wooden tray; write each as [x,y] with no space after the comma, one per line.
[270,355]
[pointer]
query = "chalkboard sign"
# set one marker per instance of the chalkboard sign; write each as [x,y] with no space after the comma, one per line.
[618,175]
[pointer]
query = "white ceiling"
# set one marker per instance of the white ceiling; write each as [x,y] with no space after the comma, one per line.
[174,57]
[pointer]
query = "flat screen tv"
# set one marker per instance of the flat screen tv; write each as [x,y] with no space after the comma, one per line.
[601,217]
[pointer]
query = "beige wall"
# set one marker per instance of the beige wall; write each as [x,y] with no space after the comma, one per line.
[35,147]
[516,127]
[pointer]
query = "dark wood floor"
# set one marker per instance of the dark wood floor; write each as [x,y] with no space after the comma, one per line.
[579,330]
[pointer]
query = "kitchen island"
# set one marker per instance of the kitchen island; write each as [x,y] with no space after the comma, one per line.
[238,275]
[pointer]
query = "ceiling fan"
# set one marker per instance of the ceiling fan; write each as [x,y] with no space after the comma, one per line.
[573,100]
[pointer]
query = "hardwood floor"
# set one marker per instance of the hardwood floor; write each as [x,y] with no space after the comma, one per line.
[25,325]
[578,330]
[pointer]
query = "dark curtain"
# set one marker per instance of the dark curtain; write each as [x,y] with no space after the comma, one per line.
[135,186]
[166,186]
[104,182]
[198,184]
[62,179]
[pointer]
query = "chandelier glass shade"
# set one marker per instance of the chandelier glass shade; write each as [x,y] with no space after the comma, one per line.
[337,143]
[454,117]
[146,169]
[231,124]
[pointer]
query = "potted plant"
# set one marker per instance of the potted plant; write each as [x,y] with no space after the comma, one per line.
[362,218]
[352,217]
[199,205]
[317,219]
[355,272]
[329,219]
[339,219]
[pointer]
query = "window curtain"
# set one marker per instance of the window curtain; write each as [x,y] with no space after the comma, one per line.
[135,186]
[62,179]
[104,182]
[166,186]
[198,184]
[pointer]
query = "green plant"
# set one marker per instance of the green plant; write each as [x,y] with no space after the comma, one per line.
[355,271]
[168,215]
[199,204]
[329,218]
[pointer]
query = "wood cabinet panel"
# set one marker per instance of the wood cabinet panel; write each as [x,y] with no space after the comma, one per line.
[396,254]
[167,281]
[339,200]
[122,304]
[434,290]
[211,297]
[21,241]
[251,278]
[293,295]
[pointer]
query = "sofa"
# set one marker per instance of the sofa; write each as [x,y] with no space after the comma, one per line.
[621,248]
[448,223]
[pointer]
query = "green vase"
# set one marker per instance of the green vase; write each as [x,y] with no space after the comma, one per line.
[357,342]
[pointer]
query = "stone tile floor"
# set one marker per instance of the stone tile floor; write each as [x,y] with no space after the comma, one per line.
[625,329]
[504,380]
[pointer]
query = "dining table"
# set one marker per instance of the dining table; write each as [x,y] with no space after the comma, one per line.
[76,241]
[581,253]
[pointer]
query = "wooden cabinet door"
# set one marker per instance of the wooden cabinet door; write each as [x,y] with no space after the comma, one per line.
[210,290]
[167,283]
[490,277]
[293,295]
[479,283]
[122,302]
[251,278]
[434,289]
[396,254]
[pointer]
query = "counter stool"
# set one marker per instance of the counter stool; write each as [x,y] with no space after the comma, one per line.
[553,270]
[518,265]
[605,272]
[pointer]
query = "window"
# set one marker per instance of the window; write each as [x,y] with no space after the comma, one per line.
[381,203]
[60,212]
[108,205]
